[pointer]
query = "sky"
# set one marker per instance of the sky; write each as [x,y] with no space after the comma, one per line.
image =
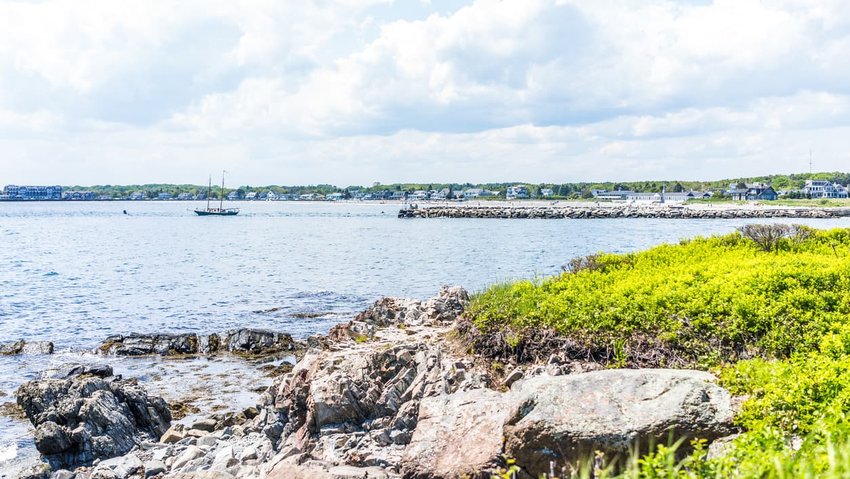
[350,92]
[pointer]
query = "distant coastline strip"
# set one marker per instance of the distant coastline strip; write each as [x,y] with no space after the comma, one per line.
[591,212]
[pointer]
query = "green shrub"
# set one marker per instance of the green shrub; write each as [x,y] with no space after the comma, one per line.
[698,302]
[767,309]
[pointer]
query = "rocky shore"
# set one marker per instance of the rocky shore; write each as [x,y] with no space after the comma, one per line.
[618,211]
[394,393]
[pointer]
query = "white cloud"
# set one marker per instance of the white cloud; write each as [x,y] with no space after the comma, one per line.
[355,91]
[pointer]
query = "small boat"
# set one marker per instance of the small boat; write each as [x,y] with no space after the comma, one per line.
[221,210]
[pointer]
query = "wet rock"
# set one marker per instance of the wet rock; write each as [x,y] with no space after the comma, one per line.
[567,418]
[73,370]
[258,342]
[62,474]
[150,344]
[25,347]
[84,418]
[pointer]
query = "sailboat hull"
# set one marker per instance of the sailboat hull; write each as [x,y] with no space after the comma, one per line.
[217,212]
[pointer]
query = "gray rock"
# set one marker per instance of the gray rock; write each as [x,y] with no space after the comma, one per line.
[258,341]
[566,418]
[62,474]
[73,370]
[122,467]
[38,471]
[207,441]
[25,347]
[174,434]
[190,454]
[51,438]
[205,424]
[150,344]
[458,434]
[84,418]
[298,468]
[513,377]
[153,468]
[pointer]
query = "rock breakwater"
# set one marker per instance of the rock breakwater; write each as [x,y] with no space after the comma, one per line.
[618,211]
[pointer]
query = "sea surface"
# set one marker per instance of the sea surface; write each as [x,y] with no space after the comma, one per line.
[76,272]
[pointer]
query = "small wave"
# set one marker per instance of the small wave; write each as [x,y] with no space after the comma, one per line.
[8,452]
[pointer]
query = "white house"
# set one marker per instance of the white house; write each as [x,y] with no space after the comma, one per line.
[517,192]
[824,189]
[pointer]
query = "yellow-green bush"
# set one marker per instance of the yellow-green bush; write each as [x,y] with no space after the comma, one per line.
[773,322]
[702,301]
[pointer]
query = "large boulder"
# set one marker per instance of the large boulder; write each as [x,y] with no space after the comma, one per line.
[458,435]
[82,417]
[566,419]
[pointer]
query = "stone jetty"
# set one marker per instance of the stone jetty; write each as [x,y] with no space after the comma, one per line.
[618,211]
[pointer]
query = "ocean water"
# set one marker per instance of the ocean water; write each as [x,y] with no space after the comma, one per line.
[76,272]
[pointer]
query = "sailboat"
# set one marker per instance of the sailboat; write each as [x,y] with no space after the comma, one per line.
[221,210]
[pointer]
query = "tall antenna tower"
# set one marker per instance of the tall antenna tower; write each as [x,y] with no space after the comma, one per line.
[810,161]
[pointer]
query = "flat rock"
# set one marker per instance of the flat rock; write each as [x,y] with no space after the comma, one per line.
[457,434]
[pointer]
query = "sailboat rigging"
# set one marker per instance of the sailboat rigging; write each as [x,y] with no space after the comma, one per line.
[221,210]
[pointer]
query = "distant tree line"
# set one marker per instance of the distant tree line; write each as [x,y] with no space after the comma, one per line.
[559,190]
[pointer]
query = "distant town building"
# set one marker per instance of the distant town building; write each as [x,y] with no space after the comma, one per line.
[252,195]
[233,195]
[138,196]
[517,192]
[824,189]
[335,197]
[617,194]
[31,193]
[185,196]
[164,196]
[547,192]
[752,192]
[79,196]
[479,193]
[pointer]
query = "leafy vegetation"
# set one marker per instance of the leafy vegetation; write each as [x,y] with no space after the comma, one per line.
[575,190]
[777,311]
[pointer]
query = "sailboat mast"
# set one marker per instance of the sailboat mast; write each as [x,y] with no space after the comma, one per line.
[209,192]
[221,204]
